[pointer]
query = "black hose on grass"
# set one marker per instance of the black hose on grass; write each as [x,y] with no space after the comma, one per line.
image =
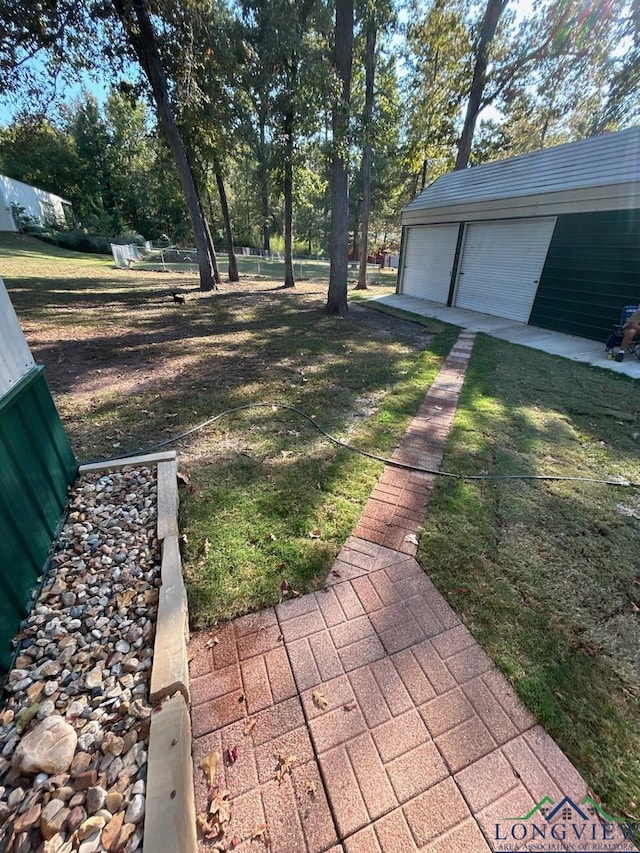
[403,465]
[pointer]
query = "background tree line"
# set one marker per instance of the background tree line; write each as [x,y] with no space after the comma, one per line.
[267,122]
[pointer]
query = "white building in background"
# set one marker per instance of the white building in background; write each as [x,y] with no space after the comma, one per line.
[40,205]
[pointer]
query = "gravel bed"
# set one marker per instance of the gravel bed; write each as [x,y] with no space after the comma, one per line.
[74,730]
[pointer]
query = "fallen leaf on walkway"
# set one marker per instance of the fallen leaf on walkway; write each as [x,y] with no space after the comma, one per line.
[212,641]
[335,574]
[235,842]
[258,833]
[411,537]
[232,754]
[350,706]
[311,788]
[210,764]
[325,589]
[284,764]
[295,593]
[220,808]
[241,698]
[248,726]
[319,699]
[219,817]
[203,824]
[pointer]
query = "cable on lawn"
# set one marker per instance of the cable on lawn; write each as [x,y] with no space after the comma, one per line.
[392,462]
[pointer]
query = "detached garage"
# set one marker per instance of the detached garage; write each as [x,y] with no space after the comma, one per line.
[550,238]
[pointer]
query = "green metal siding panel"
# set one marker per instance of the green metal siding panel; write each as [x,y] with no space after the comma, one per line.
[592,270]
[36,467]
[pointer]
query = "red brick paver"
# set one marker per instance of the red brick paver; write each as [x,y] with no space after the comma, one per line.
[365,718]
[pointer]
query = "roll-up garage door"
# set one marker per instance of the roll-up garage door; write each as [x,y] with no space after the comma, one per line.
[428,262]
[501,266]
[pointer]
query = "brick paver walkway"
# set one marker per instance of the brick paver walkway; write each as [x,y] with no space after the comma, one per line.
[400,733]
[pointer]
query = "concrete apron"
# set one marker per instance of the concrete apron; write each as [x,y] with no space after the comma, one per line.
[169,823]
[555,343]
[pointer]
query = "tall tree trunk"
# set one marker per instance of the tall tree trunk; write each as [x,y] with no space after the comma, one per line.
[209,201]
[209,239]
[264,187]
[233,262]
[288,200]
[142,37]
[370,71]
[356,237]
[339,249]
[492,16]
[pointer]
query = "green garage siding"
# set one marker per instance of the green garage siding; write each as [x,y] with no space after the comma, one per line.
[592,270]
[36,467]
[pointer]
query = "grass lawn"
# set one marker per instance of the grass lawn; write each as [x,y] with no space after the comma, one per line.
[547,575]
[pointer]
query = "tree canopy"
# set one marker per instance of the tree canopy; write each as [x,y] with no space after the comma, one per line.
[231,123]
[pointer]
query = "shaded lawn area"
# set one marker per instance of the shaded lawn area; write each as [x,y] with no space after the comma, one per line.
[270,499]
[547,574]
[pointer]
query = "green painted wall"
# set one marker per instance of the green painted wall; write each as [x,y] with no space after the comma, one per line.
[36,467]
[592,270]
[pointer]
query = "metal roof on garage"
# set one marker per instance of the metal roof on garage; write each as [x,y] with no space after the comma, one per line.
[596,164]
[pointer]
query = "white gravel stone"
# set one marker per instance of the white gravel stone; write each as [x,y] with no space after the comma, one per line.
[85,658]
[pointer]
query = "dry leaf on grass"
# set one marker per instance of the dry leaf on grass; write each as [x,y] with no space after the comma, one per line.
[315,534]
[210,764]
[249,724]
[285,762]
[319,699]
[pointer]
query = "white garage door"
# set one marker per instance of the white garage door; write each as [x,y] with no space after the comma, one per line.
[501,266]
[428,261]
